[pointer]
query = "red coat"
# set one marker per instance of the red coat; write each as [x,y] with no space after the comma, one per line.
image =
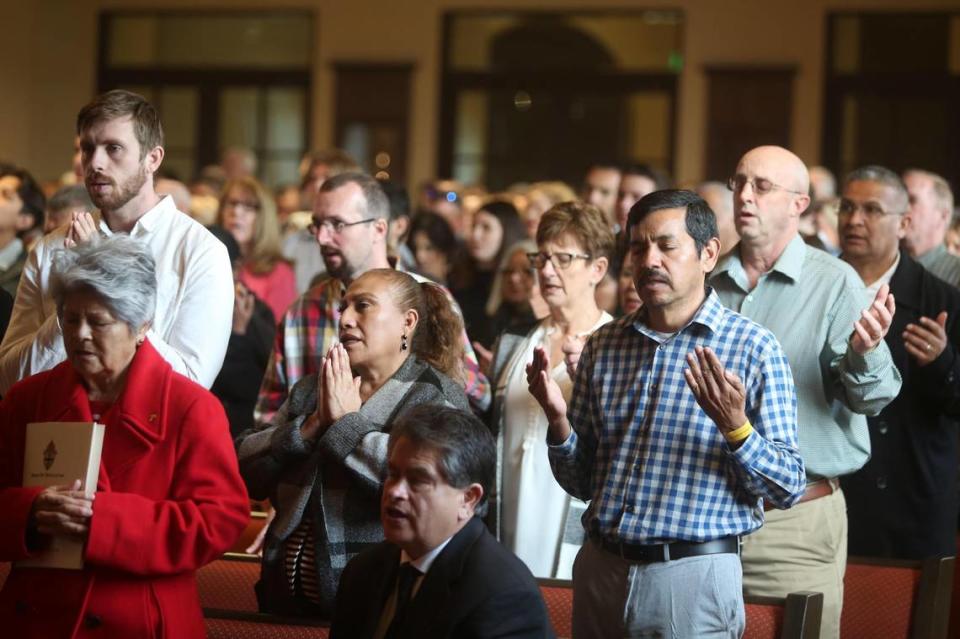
[169,500]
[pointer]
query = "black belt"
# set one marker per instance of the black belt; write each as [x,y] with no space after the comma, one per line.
[649,553]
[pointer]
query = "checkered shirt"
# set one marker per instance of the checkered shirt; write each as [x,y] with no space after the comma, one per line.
[308,329]
[654,465]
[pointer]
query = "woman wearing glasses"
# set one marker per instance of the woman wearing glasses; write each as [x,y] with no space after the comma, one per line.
[249,213]
[574,244]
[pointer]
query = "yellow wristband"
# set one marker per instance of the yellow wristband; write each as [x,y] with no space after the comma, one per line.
[739,434]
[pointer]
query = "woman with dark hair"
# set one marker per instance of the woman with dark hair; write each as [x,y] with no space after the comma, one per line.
[496,226]
[322,460]
[434,245]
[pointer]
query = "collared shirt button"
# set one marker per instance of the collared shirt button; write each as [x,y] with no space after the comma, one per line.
[882,483]
[883,427]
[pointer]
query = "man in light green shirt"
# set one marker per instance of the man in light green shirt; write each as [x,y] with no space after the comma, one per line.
[832,334]
[931,206]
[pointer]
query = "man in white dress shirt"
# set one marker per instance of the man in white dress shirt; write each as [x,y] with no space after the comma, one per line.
[121,143]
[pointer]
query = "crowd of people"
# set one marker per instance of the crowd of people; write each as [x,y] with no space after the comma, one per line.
[671,396]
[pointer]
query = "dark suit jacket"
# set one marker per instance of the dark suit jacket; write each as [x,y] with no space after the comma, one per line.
[903,502]
[475,588]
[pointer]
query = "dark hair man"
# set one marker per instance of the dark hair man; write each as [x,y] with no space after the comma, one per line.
[440,573]
[21,210]
[600,187]
[676,463]
[637,180]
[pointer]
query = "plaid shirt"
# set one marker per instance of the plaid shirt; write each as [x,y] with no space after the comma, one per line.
[655,466]
[308,329]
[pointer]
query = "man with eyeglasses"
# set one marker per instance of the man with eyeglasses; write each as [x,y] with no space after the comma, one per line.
[814,304]
[350,223]
[902,503]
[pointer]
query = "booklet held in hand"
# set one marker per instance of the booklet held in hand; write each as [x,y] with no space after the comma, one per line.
[56,454]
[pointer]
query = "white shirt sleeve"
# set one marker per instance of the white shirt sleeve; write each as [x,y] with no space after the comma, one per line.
[198,303]
[33,341]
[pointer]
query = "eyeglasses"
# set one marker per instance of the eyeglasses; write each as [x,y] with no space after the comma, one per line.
[509,272]
[871,210]
[559,260]
[334,226]
[761,186]
[241,204]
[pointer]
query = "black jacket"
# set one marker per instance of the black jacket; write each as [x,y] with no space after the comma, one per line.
[238,384]
[903,502]
[475,588]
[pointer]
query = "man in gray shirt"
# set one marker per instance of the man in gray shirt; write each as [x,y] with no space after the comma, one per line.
[842,369]
[931,206]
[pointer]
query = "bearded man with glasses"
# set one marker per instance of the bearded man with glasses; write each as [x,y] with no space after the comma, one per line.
[350,218]
[842,369]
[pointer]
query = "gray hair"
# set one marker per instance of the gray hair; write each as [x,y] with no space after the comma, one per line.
[464,448]
[941,188]
[881,175]
[119,270]
[376,204]
[74,196]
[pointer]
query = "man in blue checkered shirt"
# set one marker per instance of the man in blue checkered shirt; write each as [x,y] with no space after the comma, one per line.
[682,423]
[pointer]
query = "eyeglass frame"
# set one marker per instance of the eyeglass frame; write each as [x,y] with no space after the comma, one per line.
[735,188]
[863,207]
[335,227]
[246,205]
[539,259]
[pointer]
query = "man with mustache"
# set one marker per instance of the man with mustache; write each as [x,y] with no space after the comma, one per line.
[121,144]
[676,461]
[841,366]
[903,502]
[350,224]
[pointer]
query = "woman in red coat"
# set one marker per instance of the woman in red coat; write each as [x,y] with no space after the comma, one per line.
[169,497]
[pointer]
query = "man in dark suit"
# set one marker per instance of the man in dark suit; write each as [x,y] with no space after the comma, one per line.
[903,502]
[440,573]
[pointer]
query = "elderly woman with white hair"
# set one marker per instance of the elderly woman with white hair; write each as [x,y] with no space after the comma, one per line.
[169,498]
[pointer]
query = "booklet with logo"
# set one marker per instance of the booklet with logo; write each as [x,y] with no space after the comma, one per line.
[56,454]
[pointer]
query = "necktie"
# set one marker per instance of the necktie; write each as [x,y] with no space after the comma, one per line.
[406,578]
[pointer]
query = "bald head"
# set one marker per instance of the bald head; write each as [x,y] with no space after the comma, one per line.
[771,191]
[783,167]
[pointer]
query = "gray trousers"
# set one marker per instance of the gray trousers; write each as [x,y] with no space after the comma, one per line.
[692,598]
